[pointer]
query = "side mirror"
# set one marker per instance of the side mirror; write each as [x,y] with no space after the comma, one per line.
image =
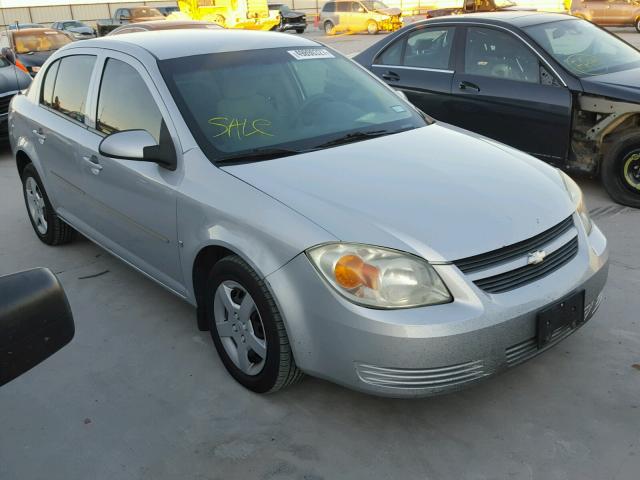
[401,94]
[9,55]
[138,145]
[35,321]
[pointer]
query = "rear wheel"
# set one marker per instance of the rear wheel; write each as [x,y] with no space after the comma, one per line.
[49,228]
[329,28]
[247,329]
[638,24]
[299,30]
[372,27]
[621,170]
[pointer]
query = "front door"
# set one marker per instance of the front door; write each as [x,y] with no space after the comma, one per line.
[419,64]
[621,12]
[133,204]
[504,91]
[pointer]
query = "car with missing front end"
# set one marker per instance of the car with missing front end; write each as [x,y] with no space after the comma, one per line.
[304,218]
[288,19]
[554,86]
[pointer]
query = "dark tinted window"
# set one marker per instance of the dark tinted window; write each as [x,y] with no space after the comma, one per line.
[429,48]
[492,53]
[392,55]
[72,85]
[329,7]
[344,6]
[125,103]
[47,86]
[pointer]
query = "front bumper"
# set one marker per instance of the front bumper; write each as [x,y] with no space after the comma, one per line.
[283,27]
[429,350]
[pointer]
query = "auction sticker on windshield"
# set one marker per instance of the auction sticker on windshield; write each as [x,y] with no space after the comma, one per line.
[310,53]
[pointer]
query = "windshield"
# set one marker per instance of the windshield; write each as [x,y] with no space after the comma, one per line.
[281,98]
[73,24]
[145,12]
[372,5]
[584,49]
[42,41]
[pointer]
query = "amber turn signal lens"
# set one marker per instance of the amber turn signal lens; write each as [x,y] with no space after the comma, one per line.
[21,66]
[351,272]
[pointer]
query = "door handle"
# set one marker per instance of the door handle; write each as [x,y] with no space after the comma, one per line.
[93,163]
[39,135]
[464,85]
[391,76]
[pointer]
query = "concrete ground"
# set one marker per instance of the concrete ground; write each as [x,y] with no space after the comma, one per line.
[140,392]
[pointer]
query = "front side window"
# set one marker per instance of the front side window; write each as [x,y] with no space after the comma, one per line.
[280,98]
[584,49]
[497,54]
[125,103]
[372,5]
[72,85]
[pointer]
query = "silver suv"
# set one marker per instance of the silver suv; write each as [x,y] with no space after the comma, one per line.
[369,16]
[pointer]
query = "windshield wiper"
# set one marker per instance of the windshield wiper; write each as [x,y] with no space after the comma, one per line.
[256,155]
[354,137]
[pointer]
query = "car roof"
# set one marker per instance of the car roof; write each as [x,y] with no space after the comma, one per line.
[168,24]
[515,18]
[167,44]
[37,30]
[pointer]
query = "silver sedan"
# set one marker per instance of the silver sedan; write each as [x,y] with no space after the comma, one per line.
[317,221]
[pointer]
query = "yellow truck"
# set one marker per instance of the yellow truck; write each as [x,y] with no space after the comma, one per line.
[246,14]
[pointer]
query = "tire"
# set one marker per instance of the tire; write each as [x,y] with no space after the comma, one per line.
[234,332]
[49,228]
[329,28]
[637,25]
[300,30]
[620,170]
[372,27]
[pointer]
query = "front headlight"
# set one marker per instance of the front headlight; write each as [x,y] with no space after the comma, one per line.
[578,200]
[379,277]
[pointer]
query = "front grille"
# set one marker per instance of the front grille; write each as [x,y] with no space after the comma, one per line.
[529,273]
[4,103]
[408,378]
[510,252]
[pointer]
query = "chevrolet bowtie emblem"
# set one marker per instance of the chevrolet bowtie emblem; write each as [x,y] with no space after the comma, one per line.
[536,257]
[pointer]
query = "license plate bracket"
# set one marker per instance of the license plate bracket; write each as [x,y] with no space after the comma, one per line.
[566,312]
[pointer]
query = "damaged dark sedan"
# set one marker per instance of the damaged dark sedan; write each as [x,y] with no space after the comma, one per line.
[554,86]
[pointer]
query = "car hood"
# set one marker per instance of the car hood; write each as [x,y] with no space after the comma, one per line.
[292,14]
[12,79]
[391,11]
[35,59]
[432,191]
[624,85]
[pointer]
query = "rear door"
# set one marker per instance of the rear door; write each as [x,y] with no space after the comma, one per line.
[598,11]
[503,90]
[420,64]
[621,12]
[59,129]
[133,204]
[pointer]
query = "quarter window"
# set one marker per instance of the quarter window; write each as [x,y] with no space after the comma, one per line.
[492,53]
[49,82]
[125,103]
[70,85]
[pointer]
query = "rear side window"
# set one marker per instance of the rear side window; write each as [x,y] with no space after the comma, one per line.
[125,103]
[344,6]
[424,48]
[46,98]
[329,7]
[70,86]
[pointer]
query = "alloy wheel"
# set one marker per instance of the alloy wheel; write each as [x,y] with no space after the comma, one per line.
[240,328]
[37,208]
[631,170]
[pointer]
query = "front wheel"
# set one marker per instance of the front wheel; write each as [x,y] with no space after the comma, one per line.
[247,329]
[621,170]
[49,228]
[299,30]
[638,24]
[372,27]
